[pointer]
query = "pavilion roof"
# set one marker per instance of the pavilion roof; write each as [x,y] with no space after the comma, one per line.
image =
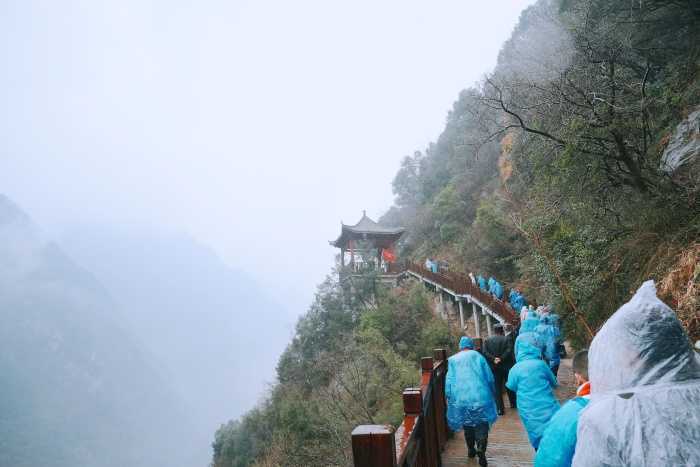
[367,229]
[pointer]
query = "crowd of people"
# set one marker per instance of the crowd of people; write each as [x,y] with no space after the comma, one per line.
[638,389]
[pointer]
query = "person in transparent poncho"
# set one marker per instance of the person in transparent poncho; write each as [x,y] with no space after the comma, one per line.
[469,388]
[645,390]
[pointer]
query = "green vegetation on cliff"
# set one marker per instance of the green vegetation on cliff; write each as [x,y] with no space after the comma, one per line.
[548,175]
[354,352]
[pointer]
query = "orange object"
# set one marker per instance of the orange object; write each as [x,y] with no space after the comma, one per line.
[389,256]
[584,390]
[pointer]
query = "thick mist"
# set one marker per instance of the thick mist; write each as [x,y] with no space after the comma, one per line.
[184,165]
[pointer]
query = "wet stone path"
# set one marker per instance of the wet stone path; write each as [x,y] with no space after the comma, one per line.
[508,445]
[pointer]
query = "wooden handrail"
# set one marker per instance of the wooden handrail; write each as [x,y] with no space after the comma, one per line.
[422,435]
[460,284]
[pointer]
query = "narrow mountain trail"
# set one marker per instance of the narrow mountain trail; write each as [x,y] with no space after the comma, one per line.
[508,444]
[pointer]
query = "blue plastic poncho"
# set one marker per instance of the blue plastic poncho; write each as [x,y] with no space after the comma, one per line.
[645,390]
[558,441]
[517,301]
[497,290]
[528,333]
[550,341]
[482,282]
[556,322]
[491,283]
[469,389]
[533,381]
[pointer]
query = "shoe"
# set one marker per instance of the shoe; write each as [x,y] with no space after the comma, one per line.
[513,406]
[481,452]
[501,412]
[472,453]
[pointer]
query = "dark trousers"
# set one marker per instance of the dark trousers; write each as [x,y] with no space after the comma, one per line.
[500,376]
[478,435]
[511,394]
[555,370]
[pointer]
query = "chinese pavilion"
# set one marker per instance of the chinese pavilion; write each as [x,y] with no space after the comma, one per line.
[367,236]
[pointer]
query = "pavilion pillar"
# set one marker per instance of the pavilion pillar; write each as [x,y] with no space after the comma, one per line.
[477,324]
[342,257]
[489,324]
[461,315]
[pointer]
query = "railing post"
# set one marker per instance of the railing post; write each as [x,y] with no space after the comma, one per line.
[373,446]
[430,436]
[440,355]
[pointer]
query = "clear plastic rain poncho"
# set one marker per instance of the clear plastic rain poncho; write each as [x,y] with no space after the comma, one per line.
[533,381]
[469,388]
[645,390]
[528,333]
[550,340]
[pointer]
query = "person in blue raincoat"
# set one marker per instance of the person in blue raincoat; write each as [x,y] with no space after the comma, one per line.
[482,282]
[528,333]
[533,382]
[556,322]
[517,301]
[497,290]
[469,389]
[491,282]
[558,442]
[550,343]
[512,298]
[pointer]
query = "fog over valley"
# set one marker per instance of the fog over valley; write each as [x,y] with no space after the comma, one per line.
[170,176]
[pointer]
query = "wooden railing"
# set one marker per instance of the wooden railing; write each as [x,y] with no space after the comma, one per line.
[422,435]
[462,285]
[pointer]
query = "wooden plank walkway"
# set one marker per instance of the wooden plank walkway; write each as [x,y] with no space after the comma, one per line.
[508,445]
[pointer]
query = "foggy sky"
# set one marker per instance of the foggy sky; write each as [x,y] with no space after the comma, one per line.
[254,126]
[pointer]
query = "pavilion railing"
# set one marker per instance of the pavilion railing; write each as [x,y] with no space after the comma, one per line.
[462,285]
[422,435]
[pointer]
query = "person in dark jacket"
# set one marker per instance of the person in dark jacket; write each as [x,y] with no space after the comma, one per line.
[498,353]
[511,335]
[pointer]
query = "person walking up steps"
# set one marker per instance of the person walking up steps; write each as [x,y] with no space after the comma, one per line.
[533,381]
[469,389]
[498,353]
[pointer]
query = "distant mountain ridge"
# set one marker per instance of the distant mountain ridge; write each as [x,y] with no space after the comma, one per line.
[214,331]
[78,389]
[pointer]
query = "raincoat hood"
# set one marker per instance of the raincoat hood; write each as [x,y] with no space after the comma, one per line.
[527,351]
[645,390]
[530,324]
[642,343]
[466,343]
